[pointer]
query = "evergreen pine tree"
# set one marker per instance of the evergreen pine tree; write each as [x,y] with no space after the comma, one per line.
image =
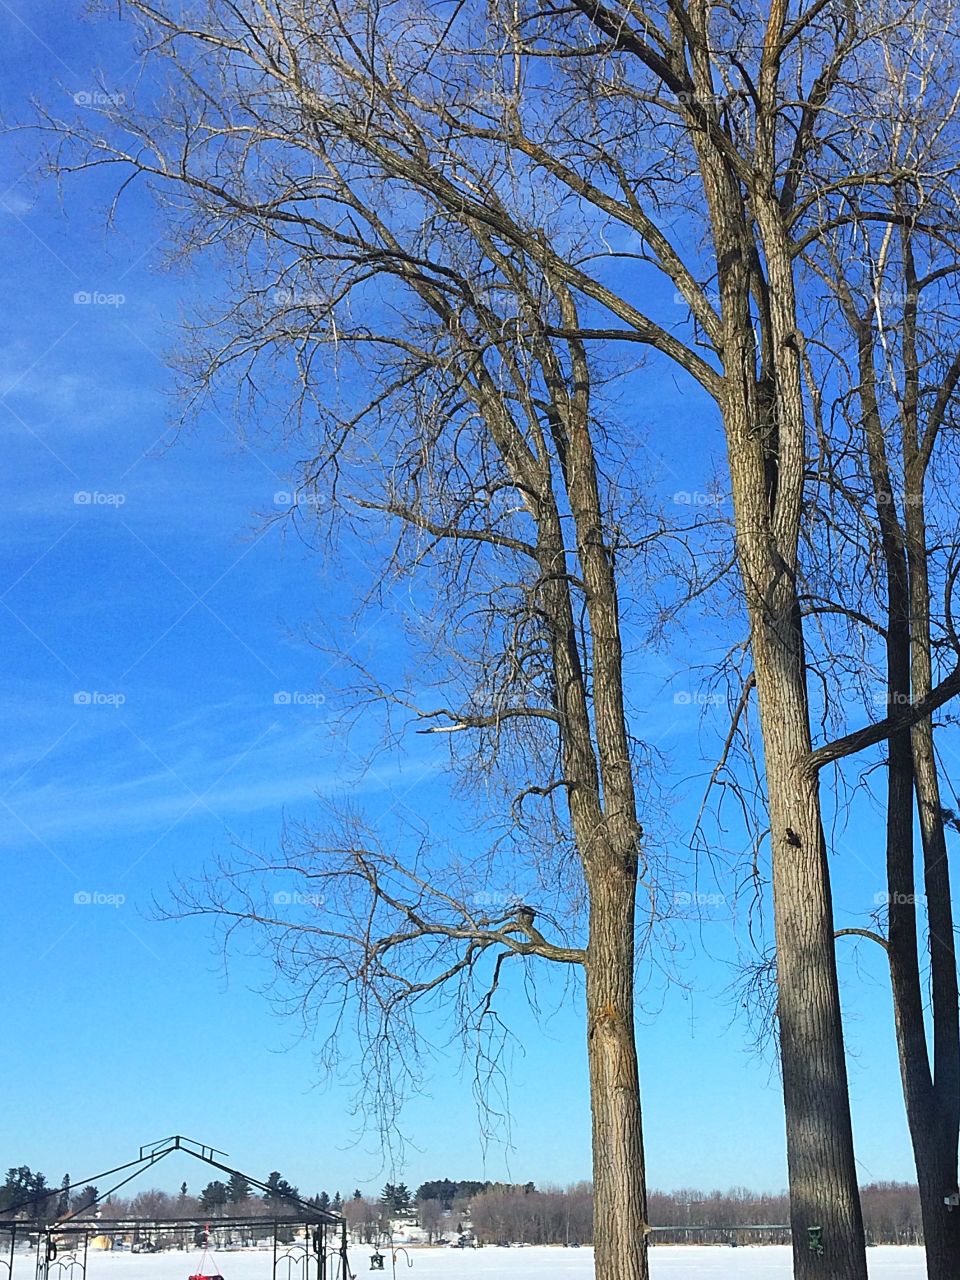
[238,1188]
[402,1198]
[41,1201]
[278,1188]
[213,1196]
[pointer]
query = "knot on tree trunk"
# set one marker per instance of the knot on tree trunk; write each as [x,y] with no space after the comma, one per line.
[605,1017]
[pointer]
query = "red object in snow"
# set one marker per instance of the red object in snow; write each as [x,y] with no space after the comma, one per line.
[202,1276]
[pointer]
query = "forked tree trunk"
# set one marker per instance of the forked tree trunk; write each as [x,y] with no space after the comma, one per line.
[620,1198]
[931,1095]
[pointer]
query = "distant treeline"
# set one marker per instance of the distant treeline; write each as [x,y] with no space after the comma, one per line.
[891,1212]
[496,1213]
[28,1196]
[503,1215]
[450,1193]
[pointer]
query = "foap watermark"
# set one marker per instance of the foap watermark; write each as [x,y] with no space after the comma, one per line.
[98,298]
[94,498]
[685,898]
[295,698]
[691,98]
[883,698]
[895,300]
[497,899]
[297,898]
[886,899]
[94,698]
[95,898]
[98,98]
[694,698]
[694,498]
[903,499]
[285,297]
[711,298]
[291,498]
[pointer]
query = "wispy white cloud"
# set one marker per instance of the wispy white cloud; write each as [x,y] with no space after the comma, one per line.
[15,203]
[140,786]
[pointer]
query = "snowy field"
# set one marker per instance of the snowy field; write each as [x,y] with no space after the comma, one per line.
[668,1262]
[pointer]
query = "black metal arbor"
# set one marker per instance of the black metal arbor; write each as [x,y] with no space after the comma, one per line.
[309,1243]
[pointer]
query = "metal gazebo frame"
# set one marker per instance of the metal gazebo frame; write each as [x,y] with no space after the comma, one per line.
[62,1246]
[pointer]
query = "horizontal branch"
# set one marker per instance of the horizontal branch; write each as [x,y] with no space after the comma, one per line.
[490,721]
[871,734]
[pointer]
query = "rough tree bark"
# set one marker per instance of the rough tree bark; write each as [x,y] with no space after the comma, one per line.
[619,1186]
[765,422]
[930,1081]
[935,1131]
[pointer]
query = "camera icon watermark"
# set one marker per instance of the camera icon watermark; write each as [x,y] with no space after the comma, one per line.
[286,297]
[294,698]
[694,498]
[94,498]
[303,498]
[691,698]
[703,907]
[95,898]
[887,899]
[98,298]
[94,698]
[685,898]
[712,299]
[98,98]
[690,98]
[296,898]
[502,900]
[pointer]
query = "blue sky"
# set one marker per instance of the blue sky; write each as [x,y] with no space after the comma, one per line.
[151,613]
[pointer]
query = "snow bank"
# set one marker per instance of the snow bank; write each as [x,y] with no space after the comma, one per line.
[668,1262]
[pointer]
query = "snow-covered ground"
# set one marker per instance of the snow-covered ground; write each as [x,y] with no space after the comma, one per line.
[668,1262]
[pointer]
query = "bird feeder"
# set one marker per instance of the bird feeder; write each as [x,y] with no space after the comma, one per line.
[376,1261]
[815,1238]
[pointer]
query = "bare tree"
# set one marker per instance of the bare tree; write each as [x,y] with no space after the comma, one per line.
[478,441]
[894,292]
[363,1219]
[429,204]
[430,1217]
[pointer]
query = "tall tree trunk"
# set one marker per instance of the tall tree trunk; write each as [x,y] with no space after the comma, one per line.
[904,597]
[609,833]
[935,1144]
[823,1183]
[941,1225]
[935,1127]
[765,429]
[620,1202]
[935,1134]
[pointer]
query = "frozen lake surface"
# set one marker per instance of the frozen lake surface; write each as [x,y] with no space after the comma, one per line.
[668,1262]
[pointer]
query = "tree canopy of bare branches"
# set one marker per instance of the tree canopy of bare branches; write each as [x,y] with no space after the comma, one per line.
[440,229]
